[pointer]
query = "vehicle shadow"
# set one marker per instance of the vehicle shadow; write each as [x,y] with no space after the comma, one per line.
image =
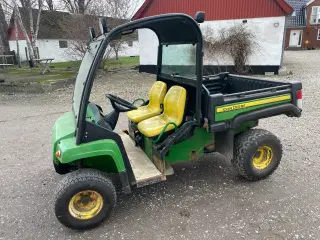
[211,174]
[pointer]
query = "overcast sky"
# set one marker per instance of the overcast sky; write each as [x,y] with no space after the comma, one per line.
[140,2]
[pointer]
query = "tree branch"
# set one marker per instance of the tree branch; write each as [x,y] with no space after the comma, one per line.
[24,32]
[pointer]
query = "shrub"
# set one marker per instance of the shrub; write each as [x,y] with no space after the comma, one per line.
[238,42]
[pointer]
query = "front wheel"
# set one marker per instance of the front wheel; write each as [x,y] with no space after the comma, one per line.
[84,199]
[257,154]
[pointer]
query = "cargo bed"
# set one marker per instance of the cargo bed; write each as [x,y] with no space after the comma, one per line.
[228,96]
[234,85]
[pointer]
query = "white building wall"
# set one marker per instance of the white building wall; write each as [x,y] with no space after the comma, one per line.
[49,48]
[269,37]
[128,51]
[22,46]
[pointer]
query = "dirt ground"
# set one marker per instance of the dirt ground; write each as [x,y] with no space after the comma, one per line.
[203,200]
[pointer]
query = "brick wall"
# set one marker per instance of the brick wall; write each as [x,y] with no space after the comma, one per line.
[309,11]
[309,37]
[311,31]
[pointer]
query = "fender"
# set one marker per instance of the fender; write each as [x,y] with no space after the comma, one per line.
[71,152]
[288,109]
[103,151]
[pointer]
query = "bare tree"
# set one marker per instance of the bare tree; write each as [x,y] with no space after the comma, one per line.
[24,31]
[117,9]
[28,6]
[34,34]
[76,6]
[17,39]
[24,3]
[110,8]
[50,4]
[238,42]
[85,14]
[75,28]
[122,9]
[4,42]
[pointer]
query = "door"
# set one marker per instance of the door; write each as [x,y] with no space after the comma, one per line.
[295,38]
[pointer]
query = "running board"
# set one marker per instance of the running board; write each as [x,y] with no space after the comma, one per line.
[145,172]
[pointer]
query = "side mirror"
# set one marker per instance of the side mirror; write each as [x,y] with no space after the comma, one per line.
[200,17]
[92,33]
[103,25]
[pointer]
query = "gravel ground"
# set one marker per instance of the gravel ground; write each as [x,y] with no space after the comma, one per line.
[203,200]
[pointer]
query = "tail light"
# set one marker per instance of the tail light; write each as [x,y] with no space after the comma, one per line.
[299,99]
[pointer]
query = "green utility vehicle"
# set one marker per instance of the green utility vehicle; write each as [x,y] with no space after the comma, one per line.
[186,116]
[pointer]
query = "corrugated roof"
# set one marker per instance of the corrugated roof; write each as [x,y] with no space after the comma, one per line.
[298,18]
[216,9]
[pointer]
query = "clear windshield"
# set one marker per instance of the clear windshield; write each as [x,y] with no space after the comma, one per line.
[83,74]
[179,59]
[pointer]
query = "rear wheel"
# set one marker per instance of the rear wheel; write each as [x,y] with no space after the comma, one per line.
[257,154]
[84,199]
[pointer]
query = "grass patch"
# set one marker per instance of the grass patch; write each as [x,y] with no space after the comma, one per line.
[65,75]
[66,65]
[75,65]
[107,64]
[60,70]
[34,75]
[121,62]
[36,72]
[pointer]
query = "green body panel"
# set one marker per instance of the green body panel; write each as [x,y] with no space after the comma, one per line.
[246,126]
[148,147]
[103,163]
[103,154]
[108,148]
[190,148]
[63,128]
[223,116]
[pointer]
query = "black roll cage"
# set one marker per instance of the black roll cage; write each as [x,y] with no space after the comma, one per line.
[170,29]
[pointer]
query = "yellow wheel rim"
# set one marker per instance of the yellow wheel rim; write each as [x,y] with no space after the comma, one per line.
[85,205]
[263,157]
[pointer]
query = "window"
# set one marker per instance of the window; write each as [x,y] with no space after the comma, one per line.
[83,74]
[63,44]
[179,59]
[315,15]
[318,35]
[130,43]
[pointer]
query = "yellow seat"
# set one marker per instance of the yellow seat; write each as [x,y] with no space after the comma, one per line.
[174,105]
[156,97]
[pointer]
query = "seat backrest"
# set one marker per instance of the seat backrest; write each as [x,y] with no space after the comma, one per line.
[174,104]
[157,94]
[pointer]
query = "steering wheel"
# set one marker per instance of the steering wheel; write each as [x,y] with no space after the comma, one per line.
[119,104]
